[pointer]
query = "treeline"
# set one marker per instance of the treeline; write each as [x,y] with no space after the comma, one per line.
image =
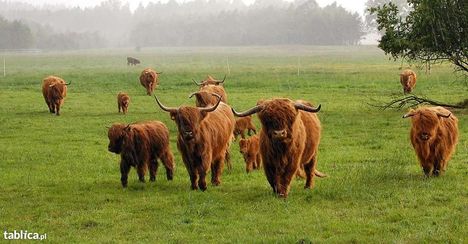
[195,23]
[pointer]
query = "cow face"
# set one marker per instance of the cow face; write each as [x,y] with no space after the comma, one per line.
[188,121]
[277,118]
[425,124]
[116,135]
[58,90]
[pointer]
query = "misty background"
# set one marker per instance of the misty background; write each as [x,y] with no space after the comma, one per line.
[196,23]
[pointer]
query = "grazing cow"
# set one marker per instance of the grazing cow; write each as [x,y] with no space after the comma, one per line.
[289,138]
[204,137]
[54,90]
[434,135]
[210,80]
[141,145]
[408,80]
[250,149]
[149,80]
[123,100]
[243,124]
[132,61]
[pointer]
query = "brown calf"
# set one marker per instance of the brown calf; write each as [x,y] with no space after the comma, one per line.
[149,80]
[408,80]
[243,124]
[250,149]
[54,90]
[123,100]
[140,145]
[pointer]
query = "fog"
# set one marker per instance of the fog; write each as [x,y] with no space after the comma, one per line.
[116,24]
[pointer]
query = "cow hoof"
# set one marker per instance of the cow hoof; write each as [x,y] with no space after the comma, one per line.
[152,178]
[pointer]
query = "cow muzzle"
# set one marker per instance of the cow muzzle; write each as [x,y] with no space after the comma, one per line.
[188,135]
[424,136]
[279,134]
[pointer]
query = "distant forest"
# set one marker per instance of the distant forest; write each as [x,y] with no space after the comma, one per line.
[194,23]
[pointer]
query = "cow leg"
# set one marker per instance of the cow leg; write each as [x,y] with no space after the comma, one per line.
[248,165]
[216,171]
[258,161]
[124,169]
[202,179]
[193,179]
[427,171]
[243,134]
[153,169]
[309,172]
[57,109]
[141,168]
[227,160]
[49,105]
[270,174]
[436,171]
[285,182]
[168,161]
[118,105]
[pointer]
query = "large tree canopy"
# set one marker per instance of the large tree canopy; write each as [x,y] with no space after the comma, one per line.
[434,31]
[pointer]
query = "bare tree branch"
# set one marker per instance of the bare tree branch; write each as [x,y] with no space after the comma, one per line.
[413,101]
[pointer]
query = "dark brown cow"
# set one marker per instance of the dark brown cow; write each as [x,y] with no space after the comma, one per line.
[123,100]
[203,139]
[54,90]
[434,135]
[243,124]
[132,61]
[408,80]
[140,145]
[149,80]
[289,138]
[250,149]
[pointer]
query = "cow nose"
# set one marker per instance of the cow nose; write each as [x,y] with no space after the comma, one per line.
[188,133]
[279,133]
[424,136]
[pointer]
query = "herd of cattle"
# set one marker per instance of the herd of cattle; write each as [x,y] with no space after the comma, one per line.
[286,146]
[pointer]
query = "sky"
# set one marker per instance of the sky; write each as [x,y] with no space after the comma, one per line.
[351,5]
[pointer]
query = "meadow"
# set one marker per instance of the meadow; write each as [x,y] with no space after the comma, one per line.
[57,177]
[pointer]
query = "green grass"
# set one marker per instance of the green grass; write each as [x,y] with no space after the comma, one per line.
[57,177]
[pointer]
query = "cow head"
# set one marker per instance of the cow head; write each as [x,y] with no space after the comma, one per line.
[204,98]
[188,119]
[117,134]
[58,89]
[425,123]
[278,116]
[209,81]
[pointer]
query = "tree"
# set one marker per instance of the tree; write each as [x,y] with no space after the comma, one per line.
[434,31]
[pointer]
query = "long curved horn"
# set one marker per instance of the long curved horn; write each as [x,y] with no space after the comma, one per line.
[217,82]
[196,83]
[410,114]
[212,108]
[307,108]
[159,73]
[194,93]
[167,109]
[247,112]
[68,83]
[444,115]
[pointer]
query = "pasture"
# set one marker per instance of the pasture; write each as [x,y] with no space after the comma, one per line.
[57,177]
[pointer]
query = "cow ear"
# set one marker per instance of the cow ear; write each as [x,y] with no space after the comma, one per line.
[173,115]
[409,114]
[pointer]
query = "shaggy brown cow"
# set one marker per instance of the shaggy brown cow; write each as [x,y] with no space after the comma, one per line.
[132,61]
[434,135]
[250,149]
[204,137]
[210,80]
[141,145]
[289,138]
[54,90]
[243,124]
[408,80]
[149,80]
[123,100]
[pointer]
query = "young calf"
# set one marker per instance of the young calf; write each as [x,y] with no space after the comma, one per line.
[243,124]
[123,100]
[250,149]
[140,145]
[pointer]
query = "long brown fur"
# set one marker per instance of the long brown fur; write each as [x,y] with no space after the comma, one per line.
[434,137]
[140,145]
[123,100]
[289,138]
[203,140]
[54,90]
[214,89]
[149,80]
[243,124]
[408,80]
[250,149]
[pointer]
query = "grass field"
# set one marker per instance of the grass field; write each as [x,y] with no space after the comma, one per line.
[57,177]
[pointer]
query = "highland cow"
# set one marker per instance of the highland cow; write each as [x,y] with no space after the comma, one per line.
[141,145]
[132,61]
[289,138]
[434,136]
[250,149]
[54,90]
[243,124]
[408,80]
[149,80]
[203,139]
[123,100]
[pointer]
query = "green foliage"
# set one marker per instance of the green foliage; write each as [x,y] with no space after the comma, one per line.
[14,35]
[435,30]
[57,177]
